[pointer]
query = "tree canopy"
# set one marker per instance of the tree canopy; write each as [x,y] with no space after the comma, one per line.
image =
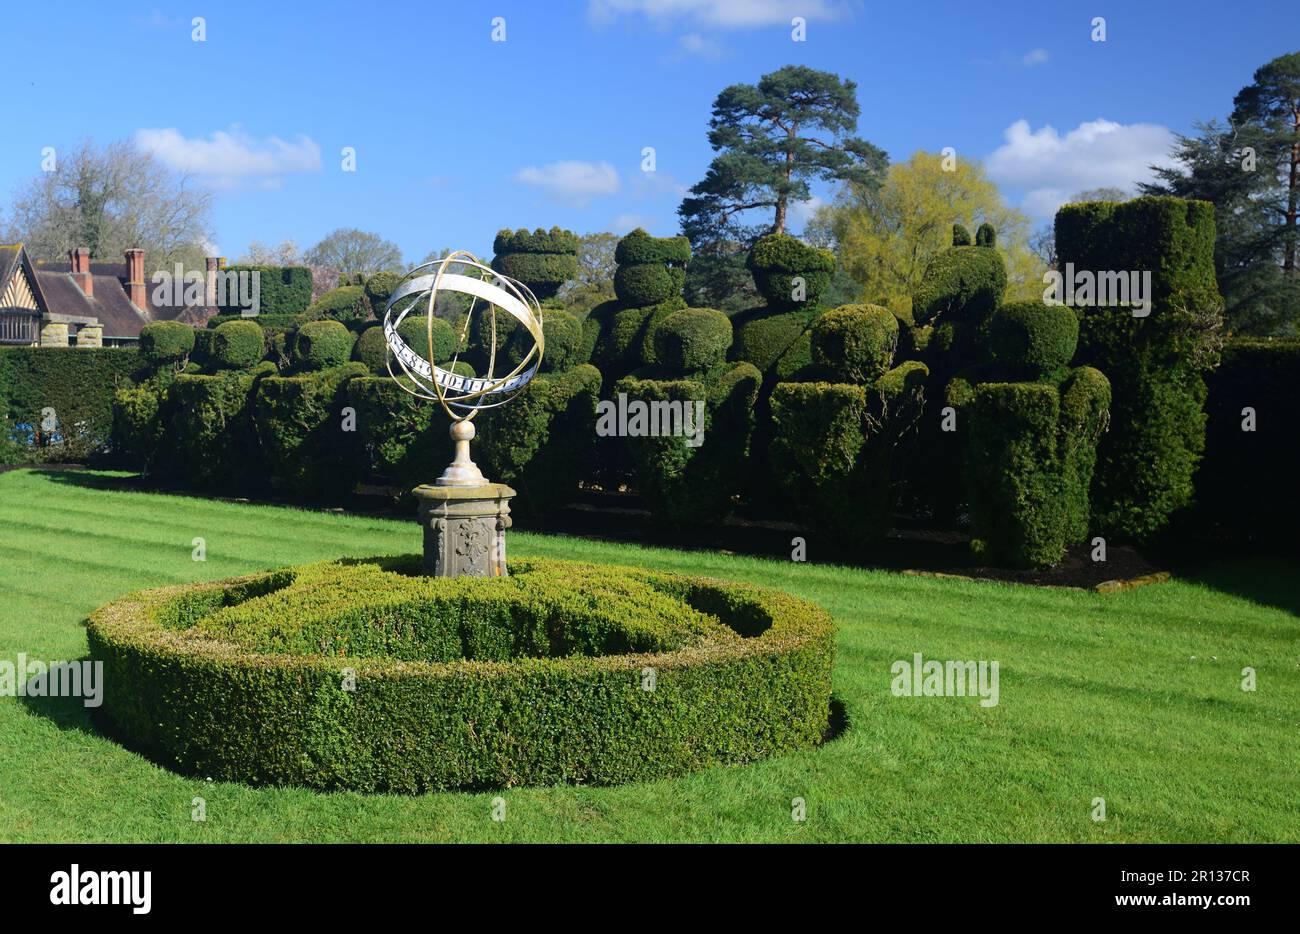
[350,250]
[886,236]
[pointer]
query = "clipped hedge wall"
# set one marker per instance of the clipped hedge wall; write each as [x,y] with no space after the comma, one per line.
[685,484]
[77,383]
[299,422]
[401,442]
[1028,452]
[347,303]
[208,437]
[1244,484]
[244,680]
[282,290]
[543,443]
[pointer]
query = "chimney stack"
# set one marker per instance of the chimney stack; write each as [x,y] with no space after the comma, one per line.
[210,282]
[135,289]
[79,260]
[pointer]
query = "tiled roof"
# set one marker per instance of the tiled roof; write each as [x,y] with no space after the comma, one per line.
[8,257]
[110,284]
[116,314]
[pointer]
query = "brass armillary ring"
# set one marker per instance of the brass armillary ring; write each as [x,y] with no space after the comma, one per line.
[461,397]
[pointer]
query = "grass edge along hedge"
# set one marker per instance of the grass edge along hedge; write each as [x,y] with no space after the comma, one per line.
[218,709]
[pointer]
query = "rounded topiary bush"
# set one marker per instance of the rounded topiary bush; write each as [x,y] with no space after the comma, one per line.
[788,271]
[414,330]
[372,349]
[346,303]
[322,344]
[378,289]
[855,343]
[364,675]
[692,339]
[166,342]
[1033,338]
[647,283]
[237,345]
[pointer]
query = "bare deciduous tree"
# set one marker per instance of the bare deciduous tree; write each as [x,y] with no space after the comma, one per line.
[111,199]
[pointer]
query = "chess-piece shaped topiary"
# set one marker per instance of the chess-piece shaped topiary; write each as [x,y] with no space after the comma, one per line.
[1028,425]
[688,418]
[834,436]
[792,277]
[962,288]
[619,335]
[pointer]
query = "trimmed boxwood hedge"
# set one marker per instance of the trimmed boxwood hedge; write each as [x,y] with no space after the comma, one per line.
[537,678]
[403,444]
[689,486]
[208,434]
[1028,454]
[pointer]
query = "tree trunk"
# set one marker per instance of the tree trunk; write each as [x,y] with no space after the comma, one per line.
[1292,199]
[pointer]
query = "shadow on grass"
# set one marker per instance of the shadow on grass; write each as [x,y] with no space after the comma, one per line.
[1268,581]
[68,713]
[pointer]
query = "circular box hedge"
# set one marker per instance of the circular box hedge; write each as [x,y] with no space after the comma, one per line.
[562,672]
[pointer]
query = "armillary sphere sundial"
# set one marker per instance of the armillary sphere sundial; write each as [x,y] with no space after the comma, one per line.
[464,516]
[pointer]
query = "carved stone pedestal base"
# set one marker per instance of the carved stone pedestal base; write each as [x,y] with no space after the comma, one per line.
[464,529]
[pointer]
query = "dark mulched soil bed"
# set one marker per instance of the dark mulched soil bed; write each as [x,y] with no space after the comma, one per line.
[622,517]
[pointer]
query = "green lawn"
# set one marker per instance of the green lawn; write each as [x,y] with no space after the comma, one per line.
[1134,697]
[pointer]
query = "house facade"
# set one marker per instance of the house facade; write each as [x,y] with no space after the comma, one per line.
[87,303]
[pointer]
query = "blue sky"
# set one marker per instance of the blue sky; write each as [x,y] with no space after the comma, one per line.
[457,135]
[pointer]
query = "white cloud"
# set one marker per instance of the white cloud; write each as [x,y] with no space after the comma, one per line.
[1050,167]
[729,14]
[573,182]
[228,159]
[1034,57]
[699,46]
[799,213]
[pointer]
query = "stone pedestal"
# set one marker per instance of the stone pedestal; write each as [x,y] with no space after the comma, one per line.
[464,529]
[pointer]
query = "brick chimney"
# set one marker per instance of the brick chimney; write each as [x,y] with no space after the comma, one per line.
[135,289]
[79,261]
[210,282]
